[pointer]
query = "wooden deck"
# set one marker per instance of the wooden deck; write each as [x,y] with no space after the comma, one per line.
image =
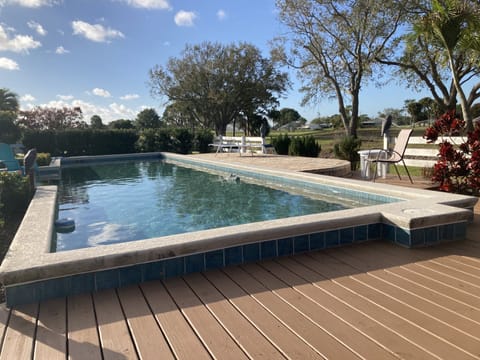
[368,301]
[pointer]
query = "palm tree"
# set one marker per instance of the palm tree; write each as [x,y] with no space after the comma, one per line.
[8,100]
[455,26]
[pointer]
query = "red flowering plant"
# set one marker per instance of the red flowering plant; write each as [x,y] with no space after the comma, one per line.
[458,167]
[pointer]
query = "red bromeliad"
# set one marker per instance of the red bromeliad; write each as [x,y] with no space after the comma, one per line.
[458,166]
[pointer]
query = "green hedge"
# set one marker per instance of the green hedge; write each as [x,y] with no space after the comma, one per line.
[170,140]
[296,146]
[15,195]
[76,142]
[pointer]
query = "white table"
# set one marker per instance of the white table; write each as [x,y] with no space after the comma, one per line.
[382,169]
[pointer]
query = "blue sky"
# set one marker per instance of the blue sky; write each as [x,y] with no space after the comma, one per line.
[96,54]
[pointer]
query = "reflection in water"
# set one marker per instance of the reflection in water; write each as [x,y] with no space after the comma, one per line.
[114,203]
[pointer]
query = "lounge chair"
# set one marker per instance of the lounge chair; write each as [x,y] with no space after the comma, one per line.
[8,158]
[392,156]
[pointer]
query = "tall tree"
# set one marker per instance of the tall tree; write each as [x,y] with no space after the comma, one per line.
[96,122]
[148,119]
[8,101]
[45,118]
[455,26]
[334,44]
[217,83]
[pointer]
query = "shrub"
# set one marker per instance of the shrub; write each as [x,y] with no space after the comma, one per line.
[347,149]
[15,194]
[43,159]
[171,140]
[458,166]
[202,140]
[74,142]
[281,144]
[182,141]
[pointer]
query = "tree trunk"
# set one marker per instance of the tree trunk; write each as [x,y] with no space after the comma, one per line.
[463,100]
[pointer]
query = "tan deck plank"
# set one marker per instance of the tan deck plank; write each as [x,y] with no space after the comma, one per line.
[408,329]
[4,317]
[245,334]
[283,338]
[427,295]
[83,341]
[419,296]
[466,260]
[314,335]
[213,335]
[302,278]
[452,319]
[19,338]
[181,337]
[342,332]
[148,338]
[434,272]
[447,261]
[114,335]
[431,324]
[427,319]
[51,339]
[436,286]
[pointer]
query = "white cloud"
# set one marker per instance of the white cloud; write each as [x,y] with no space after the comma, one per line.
[149,4]
[101,92]
[130,97]
[61,50]
[185,18]
[112,112]
[18,43]
[37,27]
[28,3]
[120,111]
[27,98]
[221,15]
[65,97]
[8,64]
[96,32]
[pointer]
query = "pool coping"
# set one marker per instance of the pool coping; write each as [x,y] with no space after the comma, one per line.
[29,258]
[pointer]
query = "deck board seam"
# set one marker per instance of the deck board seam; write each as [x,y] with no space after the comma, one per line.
[415,343]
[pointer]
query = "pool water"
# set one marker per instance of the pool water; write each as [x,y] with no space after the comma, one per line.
[119,202]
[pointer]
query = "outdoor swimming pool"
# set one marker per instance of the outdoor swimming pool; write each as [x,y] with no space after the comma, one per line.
[120,202]
[32,272]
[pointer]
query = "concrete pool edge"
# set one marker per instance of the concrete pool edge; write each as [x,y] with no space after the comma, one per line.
[29,264]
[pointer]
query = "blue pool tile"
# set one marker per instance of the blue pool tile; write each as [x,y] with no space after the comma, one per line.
[402,237]
[268,249]
[214,259]
[360,233]
[447,232]
[417,237]
[285,247]
[346,236]
[300,244]
[130,275]
[431,235]
[375,231]
[332,238]
[460,231]
[82,283]
[234,255]
[107,279]
[251,252]
[388,233]
[53,288]
[194,263]
[21,294]
[317,241]
[153,271]
[174,267]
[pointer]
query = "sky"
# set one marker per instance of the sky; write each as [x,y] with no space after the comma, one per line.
[96,54]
